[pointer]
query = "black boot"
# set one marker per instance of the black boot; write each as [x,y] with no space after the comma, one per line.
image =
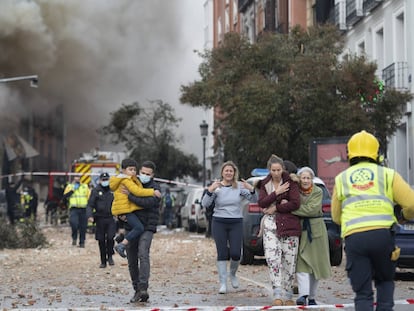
[110,251]
[301,301]
[102,252]
[110,260]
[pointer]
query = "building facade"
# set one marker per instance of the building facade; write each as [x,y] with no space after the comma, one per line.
[250,18]
[380,30]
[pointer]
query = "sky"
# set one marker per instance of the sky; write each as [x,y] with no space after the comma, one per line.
[93,55]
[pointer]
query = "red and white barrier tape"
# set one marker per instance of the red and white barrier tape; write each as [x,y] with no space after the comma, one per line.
[409,301]
[167,181]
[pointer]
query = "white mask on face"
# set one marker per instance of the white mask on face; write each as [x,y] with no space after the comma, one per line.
[144,178]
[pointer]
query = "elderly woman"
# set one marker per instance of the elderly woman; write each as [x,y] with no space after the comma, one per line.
[313,256]
[279,197]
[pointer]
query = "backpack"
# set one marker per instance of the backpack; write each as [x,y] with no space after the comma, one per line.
[168,201]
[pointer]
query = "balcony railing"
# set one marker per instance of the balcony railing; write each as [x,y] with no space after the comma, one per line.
[370,5]
[396,76]
[337,16]
[354,11]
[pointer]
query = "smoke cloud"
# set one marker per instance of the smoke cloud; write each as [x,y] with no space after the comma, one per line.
[92,56]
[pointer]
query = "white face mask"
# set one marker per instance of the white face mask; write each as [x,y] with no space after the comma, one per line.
[144,178]
[105,183]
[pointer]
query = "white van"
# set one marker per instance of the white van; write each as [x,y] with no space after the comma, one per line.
[193,217]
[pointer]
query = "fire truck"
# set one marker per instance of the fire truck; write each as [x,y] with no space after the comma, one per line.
[89,166]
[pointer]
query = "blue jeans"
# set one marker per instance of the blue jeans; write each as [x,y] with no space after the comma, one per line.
[138,252]
[137,227]
[168,215]
[78,222]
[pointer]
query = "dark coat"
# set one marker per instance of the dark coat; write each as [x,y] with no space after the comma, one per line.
[149,215]
[100,202]
[287,224]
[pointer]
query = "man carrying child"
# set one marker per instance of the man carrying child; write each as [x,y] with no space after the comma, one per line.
[121,206]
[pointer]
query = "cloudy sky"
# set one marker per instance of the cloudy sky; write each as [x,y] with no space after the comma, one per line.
[93,55]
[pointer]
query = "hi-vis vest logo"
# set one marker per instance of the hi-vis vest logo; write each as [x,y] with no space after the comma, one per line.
[362,179]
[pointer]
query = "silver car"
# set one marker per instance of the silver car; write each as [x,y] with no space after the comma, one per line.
[193,217]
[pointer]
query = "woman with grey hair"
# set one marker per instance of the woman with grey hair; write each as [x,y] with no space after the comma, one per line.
[313,256]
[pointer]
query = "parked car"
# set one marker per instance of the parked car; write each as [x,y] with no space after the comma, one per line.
[404,239]
[193,216]
[252,213]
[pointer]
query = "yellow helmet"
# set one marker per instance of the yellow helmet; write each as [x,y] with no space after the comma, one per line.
[363,144]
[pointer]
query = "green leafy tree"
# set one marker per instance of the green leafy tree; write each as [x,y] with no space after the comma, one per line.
[279,93]
[149,134]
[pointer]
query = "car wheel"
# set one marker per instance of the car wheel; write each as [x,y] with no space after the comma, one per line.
[199,229]
[191,226]
[247,257]
[335,256]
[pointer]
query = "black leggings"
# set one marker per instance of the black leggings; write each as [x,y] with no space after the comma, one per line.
[228,235]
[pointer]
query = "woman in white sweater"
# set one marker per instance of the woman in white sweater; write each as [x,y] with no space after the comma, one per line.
[227,221]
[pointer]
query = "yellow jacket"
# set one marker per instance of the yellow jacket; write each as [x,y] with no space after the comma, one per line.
[121,204]
[402,195]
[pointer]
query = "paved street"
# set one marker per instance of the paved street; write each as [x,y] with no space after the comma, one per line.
[183,276]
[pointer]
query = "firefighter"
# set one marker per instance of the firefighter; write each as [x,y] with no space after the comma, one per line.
[29,202]
[363,204]
[77,195]
[99,212]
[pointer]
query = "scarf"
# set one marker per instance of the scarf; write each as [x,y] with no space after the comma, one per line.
[306,226]
[306,191]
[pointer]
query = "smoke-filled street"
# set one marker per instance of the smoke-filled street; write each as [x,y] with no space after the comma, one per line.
[183,275]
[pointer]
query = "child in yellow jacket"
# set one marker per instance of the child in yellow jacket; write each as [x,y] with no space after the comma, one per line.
[122,206]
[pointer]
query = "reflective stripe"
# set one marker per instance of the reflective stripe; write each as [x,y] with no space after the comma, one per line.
[381,188]
[369,218]
[366,197]
[345,185]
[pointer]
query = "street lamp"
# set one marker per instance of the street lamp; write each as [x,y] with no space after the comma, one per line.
[204,133]
[34,79]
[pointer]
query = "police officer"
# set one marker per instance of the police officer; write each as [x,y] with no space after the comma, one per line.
[363,204]
[77,195]
[99,211]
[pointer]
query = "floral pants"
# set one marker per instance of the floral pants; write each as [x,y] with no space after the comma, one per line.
[280,256]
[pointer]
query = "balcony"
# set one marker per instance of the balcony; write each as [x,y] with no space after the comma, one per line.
[396,76]
[354,11]
[370,5]
[337,16]
[244,4]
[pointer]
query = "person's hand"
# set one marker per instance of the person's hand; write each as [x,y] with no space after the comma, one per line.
[284,201]
[215,185]
[157,193]
[124,190]
[122,218]
[282,188]
[269,210]
[247,185]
